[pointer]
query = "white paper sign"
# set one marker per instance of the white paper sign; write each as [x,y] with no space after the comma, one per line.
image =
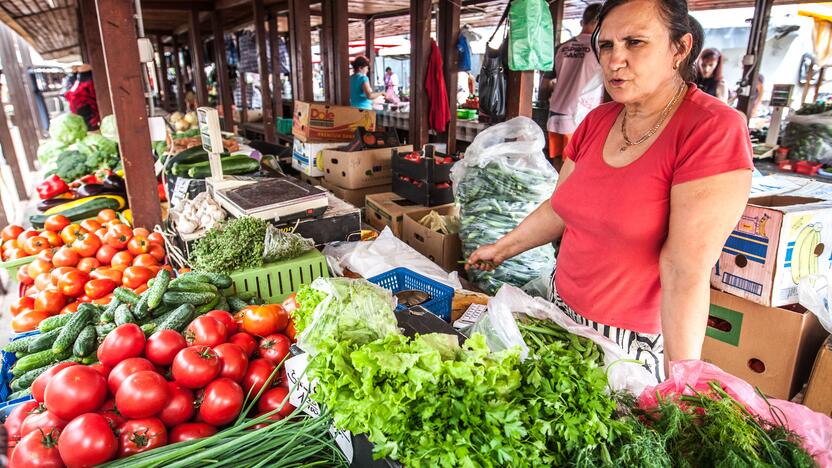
[344,441]
[180,191]
[298,381]
[158,129]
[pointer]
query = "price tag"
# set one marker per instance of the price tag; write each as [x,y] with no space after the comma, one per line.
[344,441]
[209,130]
[295,368]
[158,167]
[180,191]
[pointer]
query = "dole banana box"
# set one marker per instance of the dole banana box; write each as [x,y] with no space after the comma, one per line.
[313,121]
[308,158]
[778,241]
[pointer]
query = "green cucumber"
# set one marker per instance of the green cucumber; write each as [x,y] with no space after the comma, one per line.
[160,285]
[88,360]
[109,313]
[44,340]
[194,287]
[102,329]
[21,345]
[33,361]
[20,394]
[140,311]
[25,381]
[70,331]
[222,304]
[124,315]
[53,322]
[217,279]
[126,295]
[178,319]
[161,310]
[230,166]
[205,308]
[148,328]
[236,303]
[85,343]
[195,298]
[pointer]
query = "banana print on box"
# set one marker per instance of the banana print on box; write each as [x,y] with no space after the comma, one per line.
[806,252]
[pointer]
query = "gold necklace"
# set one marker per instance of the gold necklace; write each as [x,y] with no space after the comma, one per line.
[646,136]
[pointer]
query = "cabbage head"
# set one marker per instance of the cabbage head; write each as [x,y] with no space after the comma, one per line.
[68,128]
[95,143]
[50,150]
[108,127]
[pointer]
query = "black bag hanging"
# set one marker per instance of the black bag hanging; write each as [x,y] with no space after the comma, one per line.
[492,77]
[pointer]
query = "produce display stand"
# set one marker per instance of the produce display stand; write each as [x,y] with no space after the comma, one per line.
[11,266]
[274,282]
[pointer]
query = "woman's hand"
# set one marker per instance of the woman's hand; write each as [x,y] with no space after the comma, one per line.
[487,258]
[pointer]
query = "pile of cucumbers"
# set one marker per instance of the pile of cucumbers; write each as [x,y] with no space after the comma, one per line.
[193,163]
[167,304]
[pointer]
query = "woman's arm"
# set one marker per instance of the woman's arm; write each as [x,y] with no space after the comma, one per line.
[541,227]
[368,91]
[702,214]
[722,92]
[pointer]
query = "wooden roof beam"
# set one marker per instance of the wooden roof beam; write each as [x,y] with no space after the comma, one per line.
[177,6]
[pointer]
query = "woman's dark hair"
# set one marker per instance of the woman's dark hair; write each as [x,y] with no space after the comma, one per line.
[712,54]
[674,14]
[360,62]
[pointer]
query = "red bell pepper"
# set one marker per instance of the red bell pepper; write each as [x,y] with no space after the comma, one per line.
[51,187]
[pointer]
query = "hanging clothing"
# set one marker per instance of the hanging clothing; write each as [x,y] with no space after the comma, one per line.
[81,98]
[439,114]
[464,51]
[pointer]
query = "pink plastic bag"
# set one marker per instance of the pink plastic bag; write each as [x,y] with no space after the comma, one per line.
[689,376]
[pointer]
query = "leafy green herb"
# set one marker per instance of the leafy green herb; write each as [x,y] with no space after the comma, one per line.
[231,246]
[307,299]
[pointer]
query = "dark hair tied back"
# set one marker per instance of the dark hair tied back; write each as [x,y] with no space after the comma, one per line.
[360,62]
[678,22]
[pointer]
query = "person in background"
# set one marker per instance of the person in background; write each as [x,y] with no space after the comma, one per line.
[361,94]
[756,97]
[578,86]
[709,74]
[81,97]
[190,98]
[391,87]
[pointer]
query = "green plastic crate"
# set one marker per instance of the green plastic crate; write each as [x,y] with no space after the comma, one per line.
[284,126]
[273,282]
[11,266]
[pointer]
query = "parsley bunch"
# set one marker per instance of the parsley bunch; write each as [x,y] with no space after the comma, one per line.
[231,246]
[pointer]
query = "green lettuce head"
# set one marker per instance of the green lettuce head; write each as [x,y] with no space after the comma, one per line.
[108,127]
[95,143]
[49,150]
[68,128]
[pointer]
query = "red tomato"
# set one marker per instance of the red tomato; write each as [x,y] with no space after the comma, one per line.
[74,391]
[87,441]
[124,342]
[141,435]
[109,411]
[71,232]
[20,304]
[11,232]
[103,300]
[140,231]
[142,395]
[271,417]
[125,369]
[138,245]
[70,308]
[290,330]
[233,361]
[196,366]
[102,369]
[28,320]
[35,245]
[226,318]
[39,385]
[88,264]
[258,373]
[14,254]
[23,276]
[72,284]
[222,402]
[50,301]
[29,233]
[91,225]
[244,341]
[290,304]
[191,431]
[16,418]
[53,238]
[158,252]
[38,449]
[87,245]
[118,236]
[179,407]
[145,260]
[135,276]
[40,419]
[107,273]
[98,288]
[156,238]
[163,345]
[105,254]
[121,260]
[56,274]
[264,320]
[205,331]
[106,215]
[273,399]
[38,267]
[56,222]
[275,347]
[47,254]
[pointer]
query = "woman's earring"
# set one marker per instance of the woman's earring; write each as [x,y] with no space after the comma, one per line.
[676,66]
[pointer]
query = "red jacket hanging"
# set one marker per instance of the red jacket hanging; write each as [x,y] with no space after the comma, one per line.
[439,114]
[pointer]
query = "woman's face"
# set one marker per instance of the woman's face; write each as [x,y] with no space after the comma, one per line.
[635,51]
[707,66]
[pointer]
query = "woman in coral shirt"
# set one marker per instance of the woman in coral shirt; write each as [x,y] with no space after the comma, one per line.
[651,187]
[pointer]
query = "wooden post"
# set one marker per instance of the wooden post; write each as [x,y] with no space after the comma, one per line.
[420,13]
[263,69]
[519,90]
[198,60]
[335,48]
[448,35]
[226,97]
[180,76]
[243,98]
[756,47]
[327,52]
[820,82]
[118,33]
[301,43]
[26,63]
[370,48]
[17,92]
[10,155]
[556,9]
[277,87]
[164,84]
[92,39]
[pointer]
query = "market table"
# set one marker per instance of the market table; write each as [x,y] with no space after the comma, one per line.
[768,167]
[255,131]
[466,130]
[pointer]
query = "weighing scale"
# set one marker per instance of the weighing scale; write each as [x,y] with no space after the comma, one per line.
[781,97]
[280,199]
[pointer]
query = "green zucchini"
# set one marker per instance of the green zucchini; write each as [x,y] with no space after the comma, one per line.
[178,319]
[21,345]
[70,331]
[230,166]
[20,394]
[109,313]
[126,295]
[140,310]
[85,343]
[83,211]
[195,298]
[53,322]
[44,340]
[25,381]
[33,361]
[236,303]
[124,315]
[160,285]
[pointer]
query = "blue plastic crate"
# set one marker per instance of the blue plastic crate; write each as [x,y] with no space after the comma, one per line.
[7,360]
[402,279]
[7,407]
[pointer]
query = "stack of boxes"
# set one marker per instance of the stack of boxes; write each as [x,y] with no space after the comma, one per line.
[423,177]
[756,330]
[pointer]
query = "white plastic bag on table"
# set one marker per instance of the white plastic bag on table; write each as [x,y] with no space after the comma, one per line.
[814,293]
[502,179]
[622,375]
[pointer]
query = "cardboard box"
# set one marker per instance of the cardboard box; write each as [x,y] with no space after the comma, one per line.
[443,249]
[778,241]
[768,347]
[388,209]
[313,121]
[356,197]
[360,169]
[819,391]
[308,157]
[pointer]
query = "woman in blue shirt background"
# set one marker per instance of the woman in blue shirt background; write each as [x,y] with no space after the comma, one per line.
[361,94]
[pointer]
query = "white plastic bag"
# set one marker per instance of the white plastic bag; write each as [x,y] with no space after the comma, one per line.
[511,300]
[814,293]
